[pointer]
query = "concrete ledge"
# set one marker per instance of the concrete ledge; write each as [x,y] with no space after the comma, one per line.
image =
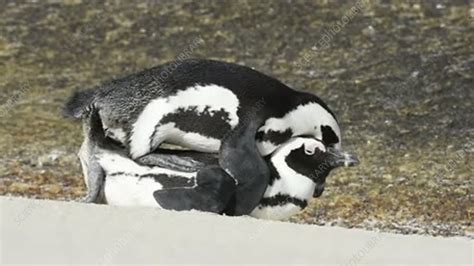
[47,232]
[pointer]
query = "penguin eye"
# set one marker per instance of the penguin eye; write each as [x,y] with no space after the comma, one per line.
[309,151]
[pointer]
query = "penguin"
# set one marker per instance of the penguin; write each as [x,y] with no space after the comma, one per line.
[293,180]
[209,106]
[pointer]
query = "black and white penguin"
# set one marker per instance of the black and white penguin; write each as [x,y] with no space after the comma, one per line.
[208,106]
[293,180]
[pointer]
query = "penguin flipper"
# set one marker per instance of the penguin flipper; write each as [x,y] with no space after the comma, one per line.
[240,157]
[76,105]
[171,161]
[185,199]
[213,191]
[95,181]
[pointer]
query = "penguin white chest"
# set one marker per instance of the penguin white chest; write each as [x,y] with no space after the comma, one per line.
[284,199]
[279,212]
[196,118]
[130,184]
[287,194]
[129,190]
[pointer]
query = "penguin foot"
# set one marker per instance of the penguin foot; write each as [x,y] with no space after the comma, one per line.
[88,199]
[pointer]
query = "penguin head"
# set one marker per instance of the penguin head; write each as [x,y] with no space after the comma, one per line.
[311,158]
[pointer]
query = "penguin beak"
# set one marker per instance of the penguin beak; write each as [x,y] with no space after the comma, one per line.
[339,158]
[318,190]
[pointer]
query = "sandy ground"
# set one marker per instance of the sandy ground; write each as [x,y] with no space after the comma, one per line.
[399,76]
[54,232]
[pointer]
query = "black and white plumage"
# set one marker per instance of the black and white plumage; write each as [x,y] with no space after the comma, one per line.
[208,106]
[292,183]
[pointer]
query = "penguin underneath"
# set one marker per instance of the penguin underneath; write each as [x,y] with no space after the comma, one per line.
[208,106]
[296,176]
[292,184]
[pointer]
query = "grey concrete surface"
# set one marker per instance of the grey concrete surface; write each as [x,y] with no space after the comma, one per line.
[47,232]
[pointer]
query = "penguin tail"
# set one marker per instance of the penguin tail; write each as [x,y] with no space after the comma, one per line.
[96,131]
[77,104]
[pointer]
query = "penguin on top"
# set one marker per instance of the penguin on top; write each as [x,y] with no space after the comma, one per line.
[206,106]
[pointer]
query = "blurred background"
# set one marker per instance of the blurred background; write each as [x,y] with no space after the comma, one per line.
[398,74]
